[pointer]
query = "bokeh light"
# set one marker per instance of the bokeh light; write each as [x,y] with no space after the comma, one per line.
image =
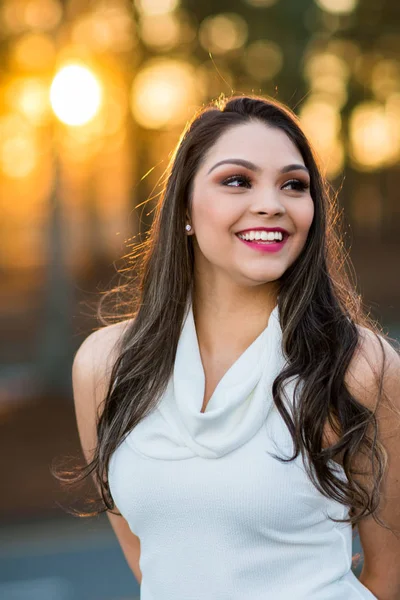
[321,122]
[104,133]
[263,59]
[21,15]
[106,28]
[30,96]
[374,136]
[34,52]
[338,7]
[18,146]
[160,31]
[156,7]
[345,49]
[75,95]
[223,33]
[327,75]
[385,78]
[18,156]
[324,63]
[13,16]
[164,93]
[43,14]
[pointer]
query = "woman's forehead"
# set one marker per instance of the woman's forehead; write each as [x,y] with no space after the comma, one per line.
[265,147]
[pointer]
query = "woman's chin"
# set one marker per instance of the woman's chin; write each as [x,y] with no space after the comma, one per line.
[259,276]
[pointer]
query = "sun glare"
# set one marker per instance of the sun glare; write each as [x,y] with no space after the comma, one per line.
[75,95]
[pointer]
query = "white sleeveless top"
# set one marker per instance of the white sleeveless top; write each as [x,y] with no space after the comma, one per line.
[219,518]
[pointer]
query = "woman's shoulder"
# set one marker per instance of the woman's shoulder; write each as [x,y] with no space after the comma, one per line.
[96,356]
[374,355]
[373,368]
[99,346]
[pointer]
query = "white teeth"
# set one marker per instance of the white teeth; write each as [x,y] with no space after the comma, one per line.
[262,235]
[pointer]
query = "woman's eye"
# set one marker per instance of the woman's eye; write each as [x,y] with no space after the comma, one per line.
[299,186]
[237,178]
[296,184]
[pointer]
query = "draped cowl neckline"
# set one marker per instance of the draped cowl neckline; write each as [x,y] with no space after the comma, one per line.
[238,407]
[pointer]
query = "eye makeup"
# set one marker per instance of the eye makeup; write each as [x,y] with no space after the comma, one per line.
[299,184]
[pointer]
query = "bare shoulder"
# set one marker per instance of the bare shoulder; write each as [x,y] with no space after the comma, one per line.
[95,357]
[373,355]
[91,369]
[100,343]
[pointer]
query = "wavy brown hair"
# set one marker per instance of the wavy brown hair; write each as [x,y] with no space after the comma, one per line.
[320,312]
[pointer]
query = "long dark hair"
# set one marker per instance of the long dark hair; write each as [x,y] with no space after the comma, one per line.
[319,309]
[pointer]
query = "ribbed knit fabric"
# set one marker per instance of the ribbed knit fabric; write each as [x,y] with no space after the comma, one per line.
[217,516]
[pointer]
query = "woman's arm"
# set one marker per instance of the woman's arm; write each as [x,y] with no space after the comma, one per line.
[90,382]
[381,548]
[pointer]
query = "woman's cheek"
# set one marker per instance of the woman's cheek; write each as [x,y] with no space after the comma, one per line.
[304,231]
[304,220]
[216,223]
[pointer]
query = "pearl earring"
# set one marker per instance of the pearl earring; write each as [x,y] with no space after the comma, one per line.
[188,227]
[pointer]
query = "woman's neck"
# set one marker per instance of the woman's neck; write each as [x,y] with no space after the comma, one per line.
[229,325]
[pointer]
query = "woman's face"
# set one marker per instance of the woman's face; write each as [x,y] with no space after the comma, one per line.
[271,191]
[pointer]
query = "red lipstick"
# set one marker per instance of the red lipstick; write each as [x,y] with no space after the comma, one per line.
[265,245]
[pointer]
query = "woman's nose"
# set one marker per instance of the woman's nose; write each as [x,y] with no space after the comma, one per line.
[269,202]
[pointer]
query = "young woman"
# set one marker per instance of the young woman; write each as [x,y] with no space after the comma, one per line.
[244,418]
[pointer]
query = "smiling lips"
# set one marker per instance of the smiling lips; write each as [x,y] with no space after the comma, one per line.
[257,230]
[263,239]
[262,235]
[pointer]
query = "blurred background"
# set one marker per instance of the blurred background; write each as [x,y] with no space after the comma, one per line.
[94,97]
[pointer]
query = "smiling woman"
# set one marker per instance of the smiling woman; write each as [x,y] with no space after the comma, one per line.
[276,194]
[239,345]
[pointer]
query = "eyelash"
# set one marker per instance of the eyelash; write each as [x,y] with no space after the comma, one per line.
[302,186]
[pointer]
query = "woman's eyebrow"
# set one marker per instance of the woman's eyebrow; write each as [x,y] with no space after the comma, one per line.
[249,165]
